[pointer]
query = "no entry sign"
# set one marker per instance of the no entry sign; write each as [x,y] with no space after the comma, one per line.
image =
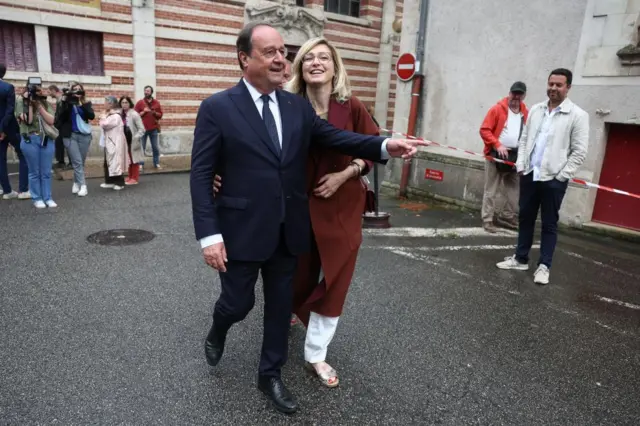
[406,66]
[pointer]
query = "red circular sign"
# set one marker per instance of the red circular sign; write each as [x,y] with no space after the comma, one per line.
[406,66]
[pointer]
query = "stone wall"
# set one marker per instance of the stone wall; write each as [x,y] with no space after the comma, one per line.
[474,56]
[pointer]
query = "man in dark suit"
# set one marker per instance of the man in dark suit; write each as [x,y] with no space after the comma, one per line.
[10,134]
[256,137]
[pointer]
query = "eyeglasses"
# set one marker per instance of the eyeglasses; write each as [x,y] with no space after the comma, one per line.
[323,58]
[271,53]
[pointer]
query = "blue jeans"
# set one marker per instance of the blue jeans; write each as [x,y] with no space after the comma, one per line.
[40,160]
[153,135]
[545,196]
[23,183]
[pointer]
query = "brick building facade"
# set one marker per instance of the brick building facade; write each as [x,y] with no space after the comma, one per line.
[186,48]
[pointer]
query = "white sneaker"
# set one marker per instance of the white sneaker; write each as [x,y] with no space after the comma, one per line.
[512,263]
[117,188]
[51,204]
[39,204]
[83,191]
[107,185]
[75,189]
[541,276]
[24,195]
[10,196]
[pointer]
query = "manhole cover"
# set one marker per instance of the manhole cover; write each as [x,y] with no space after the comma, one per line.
[121,237]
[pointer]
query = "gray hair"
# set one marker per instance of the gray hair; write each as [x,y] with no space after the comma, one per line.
[112,100]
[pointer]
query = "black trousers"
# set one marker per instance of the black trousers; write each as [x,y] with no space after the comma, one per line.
[115,180]
[238,298]
[60,151]
[546,196]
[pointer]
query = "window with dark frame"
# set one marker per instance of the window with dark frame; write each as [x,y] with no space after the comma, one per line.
[300,3]
[76,52]
[18,46]
[343,7]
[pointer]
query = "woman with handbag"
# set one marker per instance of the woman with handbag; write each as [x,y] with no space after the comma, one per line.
[336,202]
[72,119]
[133,122]
[35,119]
[116,158]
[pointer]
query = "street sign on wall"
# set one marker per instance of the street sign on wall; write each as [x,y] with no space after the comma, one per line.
[433,174]
[406,66]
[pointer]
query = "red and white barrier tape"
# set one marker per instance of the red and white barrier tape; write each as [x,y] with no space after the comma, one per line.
[498,160]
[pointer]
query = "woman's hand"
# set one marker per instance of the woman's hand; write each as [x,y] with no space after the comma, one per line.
[217,184]
[329,183]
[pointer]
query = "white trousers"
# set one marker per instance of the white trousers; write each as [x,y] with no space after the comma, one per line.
[320,332]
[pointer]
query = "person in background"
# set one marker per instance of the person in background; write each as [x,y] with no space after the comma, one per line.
[133,121]
[116,159]
[9,135]
[36,146]
[500,131]
[552,148]
[286,75]
[151,112]
[56,94]
[72,119]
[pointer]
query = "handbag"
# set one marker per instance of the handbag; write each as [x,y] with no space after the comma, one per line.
[511,157]
[83,126]
[50,131]
[370,196]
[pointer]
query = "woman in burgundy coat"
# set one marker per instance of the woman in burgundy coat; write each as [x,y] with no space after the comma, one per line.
[336,202]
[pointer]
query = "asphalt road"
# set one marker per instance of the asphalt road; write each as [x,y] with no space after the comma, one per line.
[432,333]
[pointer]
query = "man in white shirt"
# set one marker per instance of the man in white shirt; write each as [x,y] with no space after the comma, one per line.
[552,148]
[500,131]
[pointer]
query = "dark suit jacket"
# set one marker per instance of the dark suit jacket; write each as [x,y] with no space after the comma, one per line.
[230,139]
[8,122]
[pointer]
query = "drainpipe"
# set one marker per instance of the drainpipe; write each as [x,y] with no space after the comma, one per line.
[416,90]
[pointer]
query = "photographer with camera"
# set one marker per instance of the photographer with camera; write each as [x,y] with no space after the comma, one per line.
[72,120]
[35,118]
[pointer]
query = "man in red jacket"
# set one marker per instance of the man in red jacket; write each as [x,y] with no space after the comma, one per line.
[151,112]
[500,131]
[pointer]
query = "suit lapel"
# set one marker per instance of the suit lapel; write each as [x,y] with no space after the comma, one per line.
[242,99]
[286,114]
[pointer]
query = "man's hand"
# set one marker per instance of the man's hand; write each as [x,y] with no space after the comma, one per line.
[216,256]
[404,148]
[2,135]
[329,184]
[217,184]
[503,152]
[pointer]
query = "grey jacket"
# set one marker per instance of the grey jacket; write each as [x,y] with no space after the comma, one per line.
[567,143]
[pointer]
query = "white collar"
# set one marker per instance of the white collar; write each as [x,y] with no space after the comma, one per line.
[255,95]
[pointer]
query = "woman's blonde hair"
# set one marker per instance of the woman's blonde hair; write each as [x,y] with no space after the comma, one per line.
[341,86]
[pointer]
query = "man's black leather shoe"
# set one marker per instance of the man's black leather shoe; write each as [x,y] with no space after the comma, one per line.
[214,346]
[280,397]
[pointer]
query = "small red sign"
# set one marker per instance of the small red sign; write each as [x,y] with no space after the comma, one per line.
[406,66]
[433,174]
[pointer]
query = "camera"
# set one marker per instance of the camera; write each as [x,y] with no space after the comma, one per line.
[34,89]
[72,96]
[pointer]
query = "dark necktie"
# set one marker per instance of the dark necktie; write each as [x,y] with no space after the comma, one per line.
[270,122]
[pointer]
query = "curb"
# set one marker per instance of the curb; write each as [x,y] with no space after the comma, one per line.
[93,168]
[588,228]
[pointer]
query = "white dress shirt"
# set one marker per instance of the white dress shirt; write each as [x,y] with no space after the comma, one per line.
[275,110]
